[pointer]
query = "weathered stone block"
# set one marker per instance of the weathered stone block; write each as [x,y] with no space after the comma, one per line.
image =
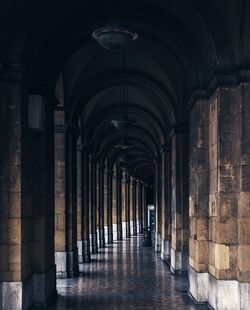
[244,204]
[221,256]
[244,254]
[244,231]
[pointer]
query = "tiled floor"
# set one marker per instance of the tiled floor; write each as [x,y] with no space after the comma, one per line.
[125,276]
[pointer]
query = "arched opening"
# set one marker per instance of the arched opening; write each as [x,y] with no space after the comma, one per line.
[72,184]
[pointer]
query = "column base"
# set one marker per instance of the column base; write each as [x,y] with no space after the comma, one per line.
[37,290]
[119,231]
[127,229]
[83,251]
[179,262]
[66,264]
[94,246]
[79,246]
[219,294]
[101,239]
[114,228]
[45,286]
[124,229]
[157,243]
[131,228]
[108,233]
[166,250]
[139,227]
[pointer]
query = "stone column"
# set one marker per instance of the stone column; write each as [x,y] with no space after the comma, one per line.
[109,205]
[93,206]
[166,204]
[127,206]
[179,204]
[26,198]
[134,183]
[123,205]
[66,253]
[146,222]
[222,276]
[79,203]
[41,164]
[101,206]
[114,205]
[199,199]
[143,206]
[119,203]
[158,204]
[140,211]
[131,207]
[85,204]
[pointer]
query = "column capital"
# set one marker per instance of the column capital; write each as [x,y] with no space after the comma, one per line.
[179,128]
[83,147]
[127,179]
[158,160]
[134,181]
[166,148]
[66,128]
[102,167]
[12,72]
[108,172]
[93,159]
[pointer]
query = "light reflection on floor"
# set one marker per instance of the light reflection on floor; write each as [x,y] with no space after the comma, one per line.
[124,276]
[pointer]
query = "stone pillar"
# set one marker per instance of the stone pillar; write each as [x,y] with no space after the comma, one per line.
[109,206]
[199,199]
[114,205]
[85,204]
[139,210]
[66,253]
[119,202]
[144,211]
[127,206]
[222,277]
[93,207]
[158,204]
[101,206]
[131,207]
[123,205]
[26,198]
[134,183]
[179,204]
[79,203]
[146,221]
[166,205]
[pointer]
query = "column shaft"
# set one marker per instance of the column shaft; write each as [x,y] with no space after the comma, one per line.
[85,204]
[93,207]
[179,204]
[101,207]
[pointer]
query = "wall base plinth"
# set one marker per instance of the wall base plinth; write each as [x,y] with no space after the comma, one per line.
[179,262]
[66,264]
[37,290]
[166,250]
[157,243]
[219,294]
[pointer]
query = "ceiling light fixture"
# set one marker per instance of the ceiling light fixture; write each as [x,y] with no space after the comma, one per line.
[114,36]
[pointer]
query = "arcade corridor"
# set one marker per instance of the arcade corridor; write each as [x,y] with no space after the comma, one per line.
[125,276]
[117,116]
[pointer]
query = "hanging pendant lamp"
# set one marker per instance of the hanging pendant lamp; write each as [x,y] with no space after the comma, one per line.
[114,36]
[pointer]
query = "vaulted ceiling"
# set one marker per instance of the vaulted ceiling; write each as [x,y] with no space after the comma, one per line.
[182,45]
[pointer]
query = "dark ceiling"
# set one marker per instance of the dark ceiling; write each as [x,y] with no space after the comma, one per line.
[182,45]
